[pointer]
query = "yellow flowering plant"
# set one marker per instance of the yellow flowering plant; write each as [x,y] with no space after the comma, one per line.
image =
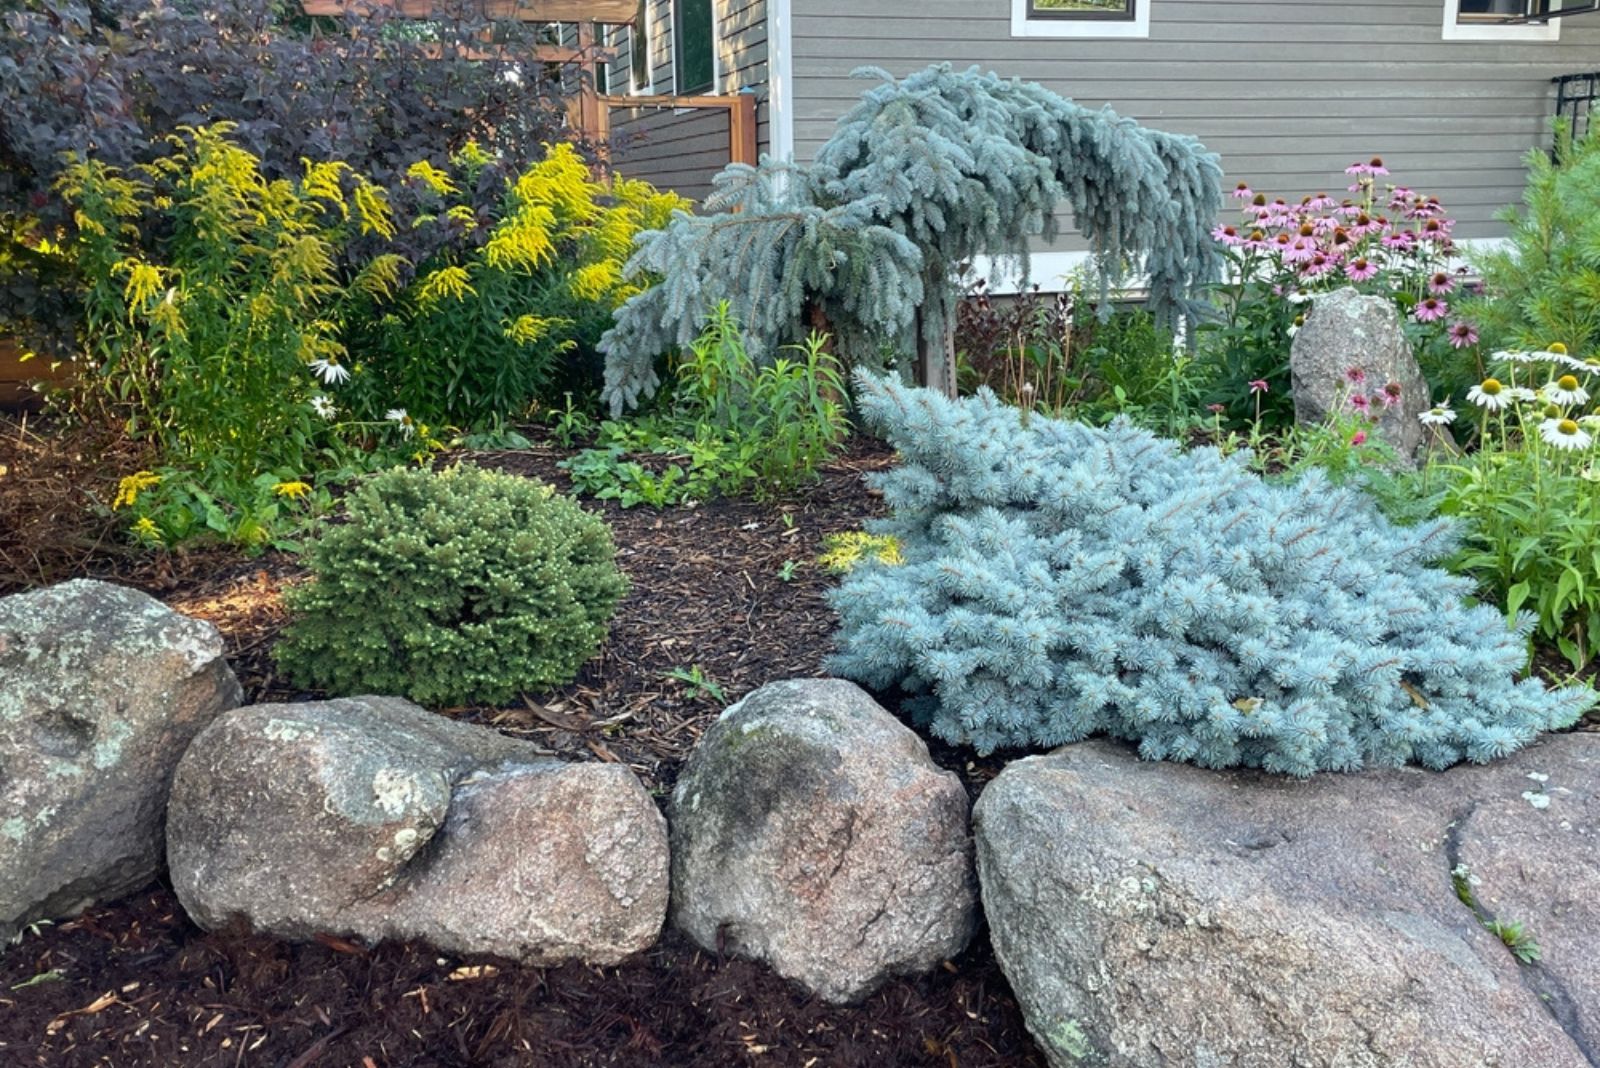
[507,308]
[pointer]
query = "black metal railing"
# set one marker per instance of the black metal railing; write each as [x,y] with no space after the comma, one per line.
[1575,97]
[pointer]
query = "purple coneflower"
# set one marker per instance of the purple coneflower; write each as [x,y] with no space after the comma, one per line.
[1440,283]
[1360,270]
[1430,310]
[1228,235]
[1463,334]
[1319,264]
[1259,385]
[1300,250]
[1355,376]
[1399,240]
[1242,191]
[1391,393]
[1321,202]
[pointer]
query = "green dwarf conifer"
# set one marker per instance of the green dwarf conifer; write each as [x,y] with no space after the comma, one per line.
[1061,580]
[921,175]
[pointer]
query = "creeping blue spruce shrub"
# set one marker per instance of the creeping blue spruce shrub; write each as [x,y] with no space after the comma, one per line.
[1061,581]
[465,586]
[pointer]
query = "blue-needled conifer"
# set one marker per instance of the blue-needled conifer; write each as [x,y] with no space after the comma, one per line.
[922,175]
[1061,580]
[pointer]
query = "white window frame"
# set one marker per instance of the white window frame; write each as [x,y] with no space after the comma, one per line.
[1456,30]
[1138,26]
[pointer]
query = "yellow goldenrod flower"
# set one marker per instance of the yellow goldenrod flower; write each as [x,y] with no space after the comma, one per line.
[129,488]
[373,207]
[294,490]
[145,530]
[144,281]
[527,329]
[432,177]
[471,155]
[592,281]
[453,282]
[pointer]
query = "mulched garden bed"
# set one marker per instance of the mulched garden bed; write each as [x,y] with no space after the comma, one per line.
[136,984]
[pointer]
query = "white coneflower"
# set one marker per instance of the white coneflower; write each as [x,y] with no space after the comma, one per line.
[1489,394]
[1565,434]
[1592,420]
[1443,415]
[324,407]
[330,370]
[1517,356]
[399,417]
[1521,393]
[1566,390]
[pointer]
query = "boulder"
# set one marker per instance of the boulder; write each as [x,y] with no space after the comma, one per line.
[1162,914]
[1347,330]
[811,830]
[101,689]
[371,817]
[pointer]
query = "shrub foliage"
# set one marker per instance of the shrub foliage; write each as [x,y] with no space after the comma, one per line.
[465,586]
[1060,581]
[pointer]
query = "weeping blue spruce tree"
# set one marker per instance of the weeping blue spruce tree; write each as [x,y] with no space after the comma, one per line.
[1061,580]
[921,175]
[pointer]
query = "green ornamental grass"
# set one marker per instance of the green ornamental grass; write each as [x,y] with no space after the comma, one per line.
[460,587]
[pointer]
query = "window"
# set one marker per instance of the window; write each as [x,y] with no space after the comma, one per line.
[1481,20]
[1080,18]
[694,46]
[639,49]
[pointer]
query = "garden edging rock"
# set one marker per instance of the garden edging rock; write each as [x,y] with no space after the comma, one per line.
[1161,914]
[811,830]
[101,689]
[371,817]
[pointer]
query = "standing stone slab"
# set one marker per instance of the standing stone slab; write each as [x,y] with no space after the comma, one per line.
[371,817]
[811,830]
[1346,329]
[1161,914]
[101,689]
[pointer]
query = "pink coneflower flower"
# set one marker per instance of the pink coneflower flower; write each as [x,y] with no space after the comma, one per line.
[1430,310]
[1391,393]
[1358,168]
[1257,240]
[1435,230]
[1359,402]
[1358,438]
[1242,191]
[1463,335]
[1228,235]
[1360,270]
[1259,385]
[1375,166]
[1399,241]
[1355,376]
[1319,264]
[1216,409]
[1321,202]
[1440,283]
[1399,195]
[1281,243]
[1300,250]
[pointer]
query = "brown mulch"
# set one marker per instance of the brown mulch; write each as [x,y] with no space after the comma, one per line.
[135,984]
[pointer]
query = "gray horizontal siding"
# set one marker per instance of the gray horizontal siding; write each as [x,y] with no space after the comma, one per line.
[677,150]
[1287,91]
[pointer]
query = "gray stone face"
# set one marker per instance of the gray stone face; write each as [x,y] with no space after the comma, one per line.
[811,830]
[371,817]
[1346,329]
[101,689]
[1161,914]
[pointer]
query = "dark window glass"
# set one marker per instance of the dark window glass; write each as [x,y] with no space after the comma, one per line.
[639,47]
[1081,9]
[694,39]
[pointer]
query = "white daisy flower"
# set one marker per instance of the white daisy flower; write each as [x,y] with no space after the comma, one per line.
[323,406]
[399,416]
[1592,421]
[1589,366]
[1443,415]
[1489,394]
[1566,390]
[330,370]
[1565,434]
[1521,393]
[1516,356]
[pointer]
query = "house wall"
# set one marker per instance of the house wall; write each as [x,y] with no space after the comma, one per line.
[1288,92]
[681,150]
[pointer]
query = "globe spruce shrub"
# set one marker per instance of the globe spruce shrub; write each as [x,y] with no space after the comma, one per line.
[465,586]
[1061,580]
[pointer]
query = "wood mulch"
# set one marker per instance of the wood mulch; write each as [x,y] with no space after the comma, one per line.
[728,592]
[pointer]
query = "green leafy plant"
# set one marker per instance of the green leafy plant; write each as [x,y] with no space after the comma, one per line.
[731,427]
[697,684]
[1517,938]
[1531,496]
[466,586]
